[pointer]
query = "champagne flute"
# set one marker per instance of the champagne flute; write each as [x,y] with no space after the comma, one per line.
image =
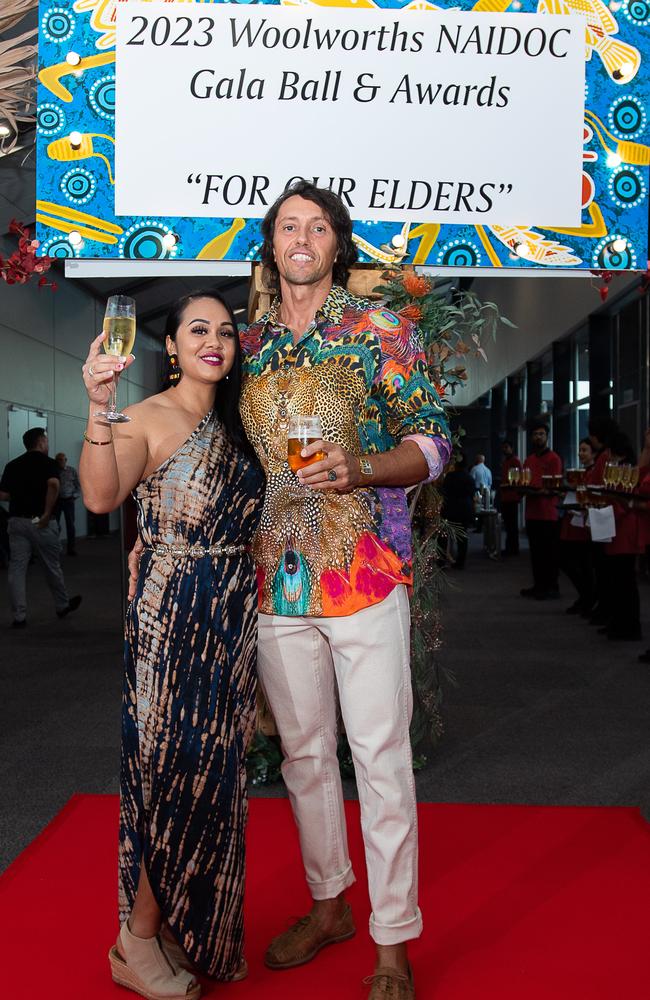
[303,430]
[511,476]
[516,476]
[625,477]
[634,477]
[607,474]
[119,330]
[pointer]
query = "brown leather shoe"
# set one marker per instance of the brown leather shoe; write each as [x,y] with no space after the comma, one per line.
[305,939]
[389,984]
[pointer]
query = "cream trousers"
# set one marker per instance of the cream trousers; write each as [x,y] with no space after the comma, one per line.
[303,663]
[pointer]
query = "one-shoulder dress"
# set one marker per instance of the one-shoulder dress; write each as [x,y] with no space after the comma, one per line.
[189,695]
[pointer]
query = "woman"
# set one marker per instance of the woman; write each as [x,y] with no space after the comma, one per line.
[575,548]
[189,691]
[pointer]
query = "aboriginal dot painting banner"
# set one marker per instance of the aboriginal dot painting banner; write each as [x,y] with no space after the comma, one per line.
[581,133]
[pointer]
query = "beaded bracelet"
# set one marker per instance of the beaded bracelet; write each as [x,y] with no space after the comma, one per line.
[90,440]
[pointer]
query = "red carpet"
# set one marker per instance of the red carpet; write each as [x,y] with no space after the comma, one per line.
[519,903]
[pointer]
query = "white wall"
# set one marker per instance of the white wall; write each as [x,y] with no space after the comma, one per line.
[544,309]
[44,338]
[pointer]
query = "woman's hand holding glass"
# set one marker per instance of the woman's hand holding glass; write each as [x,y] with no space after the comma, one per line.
[100,370]
[117,340]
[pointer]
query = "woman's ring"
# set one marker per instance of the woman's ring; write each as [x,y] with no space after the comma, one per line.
[331,475]
[90,371]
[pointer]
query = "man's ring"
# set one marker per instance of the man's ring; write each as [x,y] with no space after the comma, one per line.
[90,371]
[331,475]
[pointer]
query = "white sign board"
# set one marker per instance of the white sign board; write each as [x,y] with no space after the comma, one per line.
[429,116]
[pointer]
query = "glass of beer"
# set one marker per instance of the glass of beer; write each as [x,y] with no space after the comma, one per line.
[572,477]
[119,330]
[303,431]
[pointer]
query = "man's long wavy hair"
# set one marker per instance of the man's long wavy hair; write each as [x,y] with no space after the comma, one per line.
[333,208]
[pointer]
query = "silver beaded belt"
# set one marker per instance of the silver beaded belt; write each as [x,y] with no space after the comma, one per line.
[180,549]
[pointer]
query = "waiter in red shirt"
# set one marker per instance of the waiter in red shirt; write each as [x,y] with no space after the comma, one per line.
[509,500]
[601,432]
[542,518]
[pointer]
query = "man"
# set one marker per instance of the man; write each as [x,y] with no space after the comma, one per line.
[334,562]
[69,491]
[31,485]
[542,518]
[482,478]
[509,500]
[481,474]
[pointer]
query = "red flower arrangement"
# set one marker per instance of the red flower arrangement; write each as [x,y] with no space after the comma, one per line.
[23,262]
[412,312]
[416,285]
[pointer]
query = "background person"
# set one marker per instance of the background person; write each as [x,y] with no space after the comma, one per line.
[69,491]
[575,547]
[481,474]
[458,506]
[189,693]
[601,430]
[31,485]
[482,478]
[509,500]
[542,516]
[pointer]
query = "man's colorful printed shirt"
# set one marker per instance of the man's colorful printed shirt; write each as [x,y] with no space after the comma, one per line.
[363,371]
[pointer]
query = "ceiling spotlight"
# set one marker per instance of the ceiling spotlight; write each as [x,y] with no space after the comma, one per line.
[75,238]
[169,241]
[76,138]
[73,58]
[4,131]
[613,160]
[619,245]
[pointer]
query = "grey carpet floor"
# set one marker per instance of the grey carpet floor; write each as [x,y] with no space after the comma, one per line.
[544,710]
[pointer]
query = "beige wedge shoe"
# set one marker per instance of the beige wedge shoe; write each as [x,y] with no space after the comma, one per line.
[140,965]
[179,959]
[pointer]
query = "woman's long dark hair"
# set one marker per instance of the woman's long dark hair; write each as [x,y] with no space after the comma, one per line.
[226,404]
[621,447]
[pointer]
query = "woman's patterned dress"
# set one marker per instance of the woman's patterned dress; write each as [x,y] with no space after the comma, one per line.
[189,697]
